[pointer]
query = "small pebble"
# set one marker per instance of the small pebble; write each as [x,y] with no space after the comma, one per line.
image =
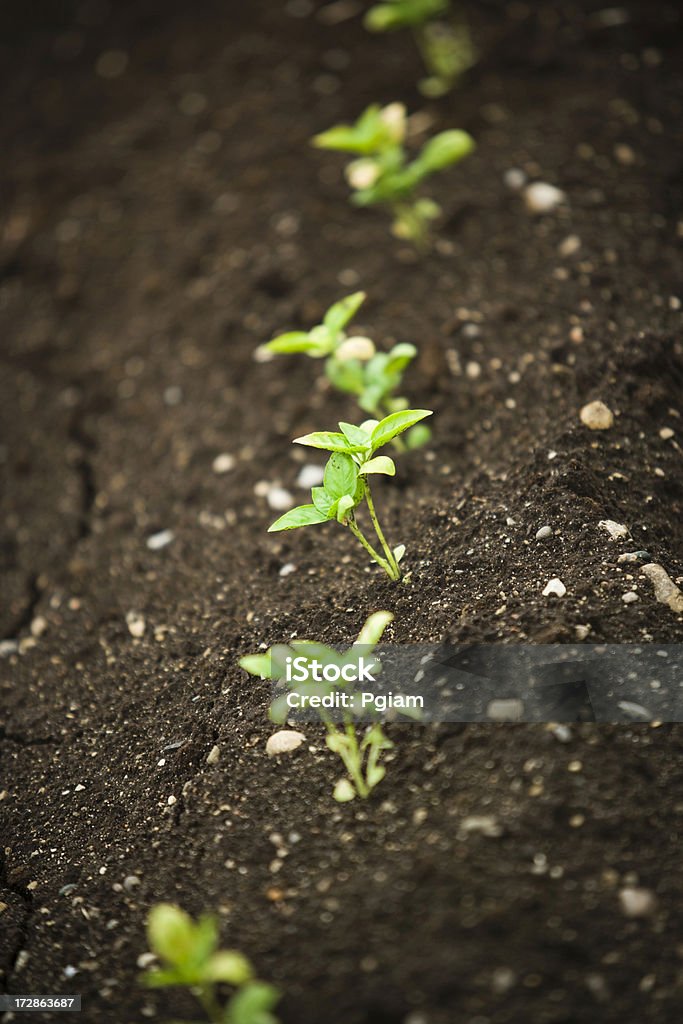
[481,824]
[635,711]
[279,499]
[630,597]
[223,463]
[544,533]
[136,624]
[160,540]
[582,631]
[214,754]
[666,433]
[562,733]
[597,416]
[515,179]
[555,587]
[666,591]
[38,625]
[283,742]
[505,710]
[287,569]
[540,197]
[310,476]
[131,882]
[146,960]
[617,531]
[636,902]
[633,556]
[570,245]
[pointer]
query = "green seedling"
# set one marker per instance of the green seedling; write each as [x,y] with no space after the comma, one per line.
[444,42]
[354,366]
[361,755]
[346,483]
[383,173]
[190,958]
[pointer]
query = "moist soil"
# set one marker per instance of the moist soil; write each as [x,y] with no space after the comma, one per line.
[157,226]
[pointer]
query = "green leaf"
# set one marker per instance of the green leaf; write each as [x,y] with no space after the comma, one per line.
[380,464]
[252,1004]
[279,710]
[418,436]
[443,150]
[373,628]
[375,774]
[368,426]
[294,341]
[228,966]
[346,503]
[346,375]
[338,315]
[257,665]
[393,425]
[303,515]
[341,473]
[397,14]
[324,502]
[329,441]
[171,933]
[343,791]
[355,435]
[399,552]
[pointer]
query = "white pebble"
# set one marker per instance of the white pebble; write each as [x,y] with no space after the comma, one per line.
[515,179]
[597,416]
[544,533]
[630,597]
[38,625]
[637,902]
[556,587]
[287,569]
[223,463]
[505,710]
[310,476]
[481,824]
[666,433]
[582,631]
[540,197]
[570,245]
[666,591]
[146,960]
[283,742]
[617,531]
[136,624]
[279,499]
[159,540]
[214,754]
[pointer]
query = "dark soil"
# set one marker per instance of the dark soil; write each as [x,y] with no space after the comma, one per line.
[144,253]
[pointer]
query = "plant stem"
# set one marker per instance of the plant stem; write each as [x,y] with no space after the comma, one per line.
[378,530]
[387,566]
[353,762]
[210,1004]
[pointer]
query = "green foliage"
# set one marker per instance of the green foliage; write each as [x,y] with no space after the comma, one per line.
[445,44]
[353,365]
[361,757]
[346,481]
[190,958]
[384,174]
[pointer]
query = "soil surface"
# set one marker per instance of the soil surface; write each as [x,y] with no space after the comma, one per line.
[163,215]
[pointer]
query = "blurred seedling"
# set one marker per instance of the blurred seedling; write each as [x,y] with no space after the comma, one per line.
[189,957]
[346,482]
[362,754]
[383,173]
[443,39]
[354,366]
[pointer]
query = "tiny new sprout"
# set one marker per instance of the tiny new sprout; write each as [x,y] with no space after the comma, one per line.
[445,45]
[190,958]
[361,757]
[383,172]
[353,365]
[346,481]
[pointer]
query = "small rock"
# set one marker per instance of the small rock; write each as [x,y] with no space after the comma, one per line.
[666,591]
[597,416]
[287,569]
[635,711]
[637,902]
[8,647]
[279,499]
[502,980]
[630,597]
[666,433]
[562,733]
[505,710]
[223,463]
[582,631]
[633,556]
[481,824]
[159,540]
[283,742]
[310,476]
[136,624]
[570,245]
[171,800]
[214,754]
[555,587]
[146,960]
[544,533]
[131,882]
[540,197]
[38,625]
[515,179]
[617,531]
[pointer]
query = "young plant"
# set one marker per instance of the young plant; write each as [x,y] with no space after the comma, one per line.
[353,365]
[361,756]
[383,172]
[445,44]
[346,483]
[190,958]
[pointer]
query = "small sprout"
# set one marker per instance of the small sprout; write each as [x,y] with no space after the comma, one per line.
[445,44]
[383,172]
[361,756]
[190,958]
[346,483]
[354,366]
